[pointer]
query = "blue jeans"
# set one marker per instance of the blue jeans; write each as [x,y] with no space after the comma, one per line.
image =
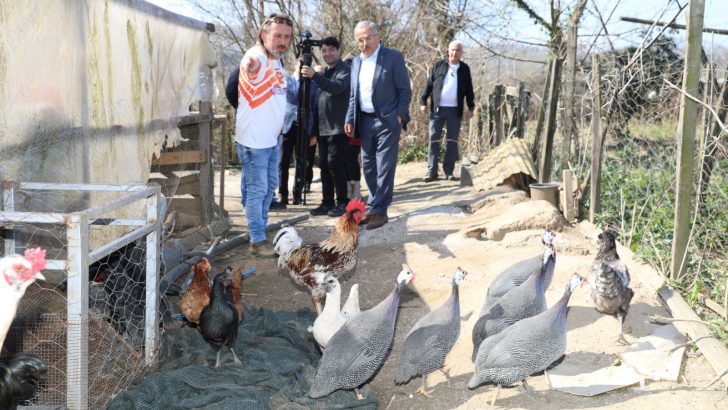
[260,179]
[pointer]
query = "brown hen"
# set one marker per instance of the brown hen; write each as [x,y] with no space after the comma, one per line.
[197,295]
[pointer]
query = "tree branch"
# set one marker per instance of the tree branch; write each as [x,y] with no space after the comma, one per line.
[521,4]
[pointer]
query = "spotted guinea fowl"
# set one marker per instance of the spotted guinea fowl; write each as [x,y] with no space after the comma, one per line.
[357,350]
[522,270]
[526,300]
[431,339]
[609,280]
[524,348]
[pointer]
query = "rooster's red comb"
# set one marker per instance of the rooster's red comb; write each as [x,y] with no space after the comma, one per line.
[36,257]
[356,204]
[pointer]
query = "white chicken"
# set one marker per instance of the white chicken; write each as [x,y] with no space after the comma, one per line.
[332,317]
[16,274]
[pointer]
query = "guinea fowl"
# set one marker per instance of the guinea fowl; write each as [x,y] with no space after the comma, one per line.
[609,280]
[524,348]
[521,271]
[219,319]
[431,339]
[357,350]
[525,300]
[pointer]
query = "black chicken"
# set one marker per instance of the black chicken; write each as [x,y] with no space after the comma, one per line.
[219,320]
[609,280]
[19,379]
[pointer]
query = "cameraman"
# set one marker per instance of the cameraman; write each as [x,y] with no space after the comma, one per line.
[333,102]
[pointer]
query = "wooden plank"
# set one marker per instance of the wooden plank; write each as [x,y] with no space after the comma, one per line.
[179,157]
[717,308]
[713,350]
[686,139]
[512,91]
[672,25]
[596,132]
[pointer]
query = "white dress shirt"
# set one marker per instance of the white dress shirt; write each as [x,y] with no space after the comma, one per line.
[366,80]
[449,96]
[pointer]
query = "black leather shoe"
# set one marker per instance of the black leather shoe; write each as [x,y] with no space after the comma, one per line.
[451,178]
[297,200]
[377,220]
[430,178]
[321,210]
[276,205]
[337,211]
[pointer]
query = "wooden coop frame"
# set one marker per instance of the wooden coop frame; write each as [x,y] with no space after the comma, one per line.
[80,256]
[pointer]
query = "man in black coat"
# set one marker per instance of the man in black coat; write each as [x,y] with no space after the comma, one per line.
[450,85]
[333,101]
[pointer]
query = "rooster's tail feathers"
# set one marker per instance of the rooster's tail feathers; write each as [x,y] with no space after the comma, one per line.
[286,241]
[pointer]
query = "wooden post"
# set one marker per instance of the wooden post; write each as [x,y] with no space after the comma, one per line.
[568,192]
[521,107]
[544,169]
[568,132]
[491,119]
[499,98]
[536,148]
[686,139]
[596,132]
[206,173]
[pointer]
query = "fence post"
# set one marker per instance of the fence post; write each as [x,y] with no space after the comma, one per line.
[206,171]
[544,169]
[77,339]
[499,94]
[686,138]
[520,114]
[536,147]
[596,132]
[151,322]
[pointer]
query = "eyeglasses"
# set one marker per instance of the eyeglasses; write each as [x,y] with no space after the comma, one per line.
[279,20]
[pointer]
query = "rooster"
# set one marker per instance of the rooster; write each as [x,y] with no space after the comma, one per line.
[309,264]
[197,295]
[19,379]
[609,280]
[16,274]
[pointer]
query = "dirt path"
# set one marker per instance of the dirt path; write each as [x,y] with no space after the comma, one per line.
[428,230]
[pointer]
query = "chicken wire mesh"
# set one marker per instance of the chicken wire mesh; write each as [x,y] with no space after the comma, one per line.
[116,292]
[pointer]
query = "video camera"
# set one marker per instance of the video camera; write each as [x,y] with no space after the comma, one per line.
[304,47]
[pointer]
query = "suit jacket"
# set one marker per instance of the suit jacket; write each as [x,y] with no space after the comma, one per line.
[391,90]
[436,80]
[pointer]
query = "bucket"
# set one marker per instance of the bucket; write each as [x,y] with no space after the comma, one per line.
[547,191]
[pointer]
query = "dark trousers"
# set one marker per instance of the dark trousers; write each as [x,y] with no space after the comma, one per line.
[332,150]
[379,148]
[439,118]
[353,167]
[288,147]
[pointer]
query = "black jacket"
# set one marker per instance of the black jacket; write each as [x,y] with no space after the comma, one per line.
[333,99]
[231,88]
[436,80]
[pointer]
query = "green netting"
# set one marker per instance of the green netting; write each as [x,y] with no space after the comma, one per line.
[279,359]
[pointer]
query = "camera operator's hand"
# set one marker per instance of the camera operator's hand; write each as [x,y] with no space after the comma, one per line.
[423,110]
[307,71]
[349,130]
[319,68]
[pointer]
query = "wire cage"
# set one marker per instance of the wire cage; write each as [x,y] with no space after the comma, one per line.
[95,321]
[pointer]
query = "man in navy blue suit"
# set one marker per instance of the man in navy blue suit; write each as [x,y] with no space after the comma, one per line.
[378,110]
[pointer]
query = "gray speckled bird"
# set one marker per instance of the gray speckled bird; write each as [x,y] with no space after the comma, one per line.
[526,300]
[520,272]
[527,347]
[431,339]
[357,350]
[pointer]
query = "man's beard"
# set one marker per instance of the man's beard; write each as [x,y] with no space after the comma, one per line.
[277,54]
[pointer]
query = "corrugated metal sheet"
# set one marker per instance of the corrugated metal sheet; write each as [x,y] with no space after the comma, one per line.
[511,158]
